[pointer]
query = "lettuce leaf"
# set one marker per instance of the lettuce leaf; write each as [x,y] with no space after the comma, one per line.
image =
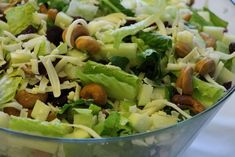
[20,17]
[113,127]
[151,64]
[206,93]
[123,32]
[117,83]
[110,6]
[82,8]
[217,21]
[55,129]
[8,88]
[156,41]
[199,21]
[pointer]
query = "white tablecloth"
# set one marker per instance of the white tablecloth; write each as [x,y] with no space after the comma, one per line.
[218,138]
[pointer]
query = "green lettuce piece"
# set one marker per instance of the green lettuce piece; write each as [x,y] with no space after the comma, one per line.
[8,88]
[198,20]
[217,21]
[118,35]
[56,129]
[110,6]
[82,8]
[117,83]
[151,64]
[206,93]
[20,17]
[113,127]
[156,41]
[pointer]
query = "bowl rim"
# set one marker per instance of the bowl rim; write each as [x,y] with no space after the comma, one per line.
[115,139]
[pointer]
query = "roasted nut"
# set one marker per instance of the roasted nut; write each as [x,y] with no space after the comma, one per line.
[95,92]
[185,81]
[28,100]
[11,111]
[79,30]
[51,116]
[210,41]
[4,7]
[52,14]
[30,113]
[43,9]
[185,100]
[205,66]
[28,70]
[187,17]
[182,49]
[88,44]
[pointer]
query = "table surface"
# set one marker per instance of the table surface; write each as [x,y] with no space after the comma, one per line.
[218,138]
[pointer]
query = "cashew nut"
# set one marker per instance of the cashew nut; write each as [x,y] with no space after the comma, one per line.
[185,81]
[185,100]
[43,9]
[187,17]
[27,69]
[95,92]
[51,116]
[88,44]
[182,49]
[11,111]
[210,41]
[52,14]
[28,100]
[205,66]
[79,30]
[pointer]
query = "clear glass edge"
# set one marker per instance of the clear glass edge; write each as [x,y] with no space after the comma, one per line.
[115,139]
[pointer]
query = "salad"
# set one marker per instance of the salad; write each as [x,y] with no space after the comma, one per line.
[109,68]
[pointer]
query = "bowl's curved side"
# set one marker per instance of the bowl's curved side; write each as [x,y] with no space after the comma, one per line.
[166,142]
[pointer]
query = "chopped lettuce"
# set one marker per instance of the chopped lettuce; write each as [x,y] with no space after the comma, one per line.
[110,6]
[162,120]
[8,88]
[206,93]
[20,17]
[151,64]
[198,20]
[117,35]
[55,129]
[146,7]
[156,41]
[118,84]
[82,8]
[112,126]
[214,20]
[120,62]
[217,21]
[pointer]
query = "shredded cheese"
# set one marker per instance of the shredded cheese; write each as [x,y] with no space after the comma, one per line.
[71,28]
[53,77]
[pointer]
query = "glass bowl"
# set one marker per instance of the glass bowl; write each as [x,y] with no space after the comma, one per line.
[167,142]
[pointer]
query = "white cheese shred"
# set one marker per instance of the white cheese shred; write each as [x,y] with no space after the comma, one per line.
[87,129]
[53,77]
[71,28]
[210,80]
